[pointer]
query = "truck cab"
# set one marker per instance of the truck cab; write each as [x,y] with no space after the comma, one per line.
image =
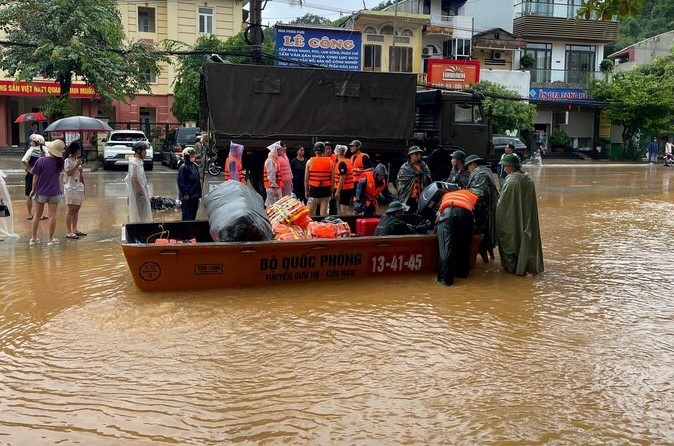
[451,120]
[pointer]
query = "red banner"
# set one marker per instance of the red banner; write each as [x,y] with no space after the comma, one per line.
[42,88]
[450,73]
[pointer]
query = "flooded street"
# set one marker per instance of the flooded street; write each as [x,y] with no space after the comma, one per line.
[582,354]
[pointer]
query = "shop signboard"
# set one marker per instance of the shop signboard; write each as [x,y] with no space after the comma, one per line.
[43,88]
[513,80]
[451,73]
[337,49]
[559,94]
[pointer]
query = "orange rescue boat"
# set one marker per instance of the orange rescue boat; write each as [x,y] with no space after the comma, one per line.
[188,259]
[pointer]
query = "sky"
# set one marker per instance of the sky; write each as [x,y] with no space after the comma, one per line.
[282,11]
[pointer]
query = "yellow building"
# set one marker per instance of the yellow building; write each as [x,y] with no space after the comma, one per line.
[381,51]
[152,20]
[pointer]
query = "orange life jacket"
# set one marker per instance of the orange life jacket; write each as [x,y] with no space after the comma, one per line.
[416,186]
[319,172]
[348,178]
[372,190]
[461,198]
[333,158]
[358,167]
[239,168]
[267,183]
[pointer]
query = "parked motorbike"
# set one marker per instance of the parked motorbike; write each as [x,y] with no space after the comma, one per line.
[214,165]
[669,160]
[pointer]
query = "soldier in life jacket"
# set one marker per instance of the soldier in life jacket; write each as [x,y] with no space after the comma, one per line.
[319,181]
[455,234]
[361,161]
[36,150]
[371,184]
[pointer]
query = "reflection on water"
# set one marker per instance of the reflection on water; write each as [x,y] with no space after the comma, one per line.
[580,354]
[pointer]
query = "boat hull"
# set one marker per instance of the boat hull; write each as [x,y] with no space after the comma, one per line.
[208,265]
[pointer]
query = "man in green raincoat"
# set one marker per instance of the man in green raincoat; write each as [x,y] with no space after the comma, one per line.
[481,183]
[517,228]
[459,174]
[413,177]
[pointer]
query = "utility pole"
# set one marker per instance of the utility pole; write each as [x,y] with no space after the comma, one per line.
[253,33]
[395,34]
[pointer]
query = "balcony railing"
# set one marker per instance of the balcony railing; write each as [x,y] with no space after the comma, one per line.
[575,77]
[462,26]
[549,9]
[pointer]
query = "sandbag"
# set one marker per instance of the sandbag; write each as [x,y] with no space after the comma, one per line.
[236,214]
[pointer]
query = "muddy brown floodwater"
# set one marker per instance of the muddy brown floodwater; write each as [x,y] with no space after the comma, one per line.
[582,354]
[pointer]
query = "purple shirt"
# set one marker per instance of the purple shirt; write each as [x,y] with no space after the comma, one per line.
[49,184]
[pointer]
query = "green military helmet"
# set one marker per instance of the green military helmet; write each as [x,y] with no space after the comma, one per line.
[473,159]
[459,155]
[414,149]
[396,206]
[511,160]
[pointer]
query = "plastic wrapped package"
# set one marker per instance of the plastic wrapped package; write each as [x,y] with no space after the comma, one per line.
[289,232]
[290,211]
[236,214]
[325,229]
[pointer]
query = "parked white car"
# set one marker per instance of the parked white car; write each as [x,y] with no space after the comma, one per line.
[118,148]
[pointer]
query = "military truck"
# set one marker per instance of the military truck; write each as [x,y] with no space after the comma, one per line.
[256,105]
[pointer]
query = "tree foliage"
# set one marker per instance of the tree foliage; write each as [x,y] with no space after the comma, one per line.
[607,9]
[655,17]
[188,74]
[67,39]
[640,100]
[385,4]
[311,19]
[508,112]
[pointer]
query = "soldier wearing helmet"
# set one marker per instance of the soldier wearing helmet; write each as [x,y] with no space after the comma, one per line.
[361,161]
[319,180]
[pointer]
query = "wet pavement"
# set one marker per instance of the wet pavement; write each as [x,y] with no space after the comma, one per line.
[582,354]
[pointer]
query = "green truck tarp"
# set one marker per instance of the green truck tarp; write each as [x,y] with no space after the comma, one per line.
[257,101]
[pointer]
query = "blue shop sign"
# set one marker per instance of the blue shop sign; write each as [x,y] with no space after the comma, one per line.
[329,48]
[559,94]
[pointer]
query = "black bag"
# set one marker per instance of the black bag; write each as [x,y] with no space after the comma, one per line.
[4,209]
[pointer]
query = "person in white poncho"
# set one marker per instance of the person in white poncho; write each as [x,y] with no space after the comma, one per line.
[137,188]
[272,175]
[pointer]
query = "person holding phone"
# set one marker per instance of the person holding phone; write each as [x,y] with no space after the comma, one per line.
[73,188]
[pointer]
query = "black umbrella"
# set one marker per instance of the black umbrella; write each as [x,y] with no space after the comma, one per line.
[78,124]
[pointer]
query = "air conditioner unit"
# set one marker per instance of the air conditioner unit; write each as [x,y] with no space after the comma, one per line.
[497,55]
[429,50]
